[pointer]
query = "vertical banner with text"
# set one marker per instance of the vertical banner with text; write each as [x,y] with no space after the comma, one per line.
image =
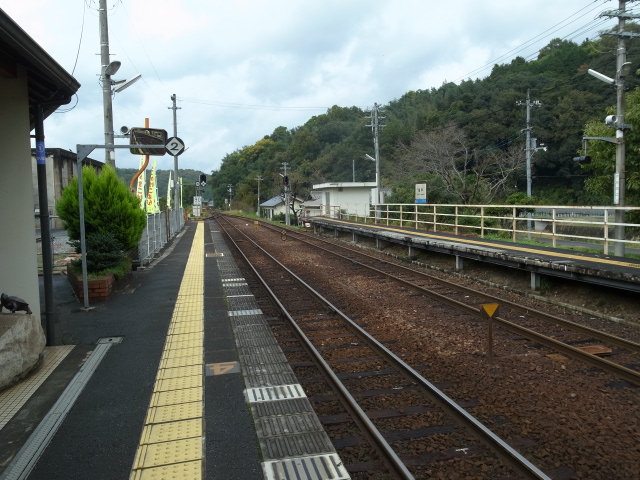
[152,189]
[140,187]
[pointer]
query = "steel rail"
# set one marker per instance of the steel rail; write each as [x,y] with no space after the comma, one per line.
[603,336]
[386,452]
[606,365]
[499,446]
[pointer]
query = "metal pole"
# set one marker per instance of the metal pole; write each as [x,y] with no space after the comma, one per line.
[354,170]
[109,153]
[83,243]
[619,179]
[258,178]
[45,232]
[287,219]
[376,152]
[528,148]
[175,161]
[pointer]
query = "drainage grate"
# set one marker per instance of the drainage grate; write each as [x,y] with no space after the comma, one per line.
[110,340]
[269,394]
[311,468]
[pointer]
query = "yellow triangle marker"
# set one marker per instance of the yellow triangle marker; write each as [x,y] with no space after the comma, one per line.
[490,309]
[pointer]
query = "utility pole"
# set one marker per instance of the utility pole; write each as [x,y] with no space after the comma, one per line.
[287,218]
[617,121]
[258,178]
[105,77]
[375,127]
[529,149]
[175,158]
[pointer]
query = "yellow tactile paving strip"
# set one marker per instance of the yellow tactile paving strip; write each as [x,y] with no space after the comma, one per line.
[171,440]
[12,399]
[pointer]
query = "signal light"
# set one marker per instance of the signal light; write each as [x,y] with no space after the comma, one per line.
[285,180]
[584,160]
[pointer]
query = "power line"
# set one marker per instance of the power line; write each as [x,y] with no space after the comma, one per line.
[216,103]
[531,41]
[141,43]
[84,8]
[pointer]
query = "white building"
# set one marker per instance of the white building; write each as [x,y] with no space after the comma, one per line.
[276,206]
[29,77]
[353,198]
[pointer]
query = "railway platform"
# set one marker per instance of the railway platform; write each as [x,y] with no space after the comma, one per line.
[176,376]
[598,269]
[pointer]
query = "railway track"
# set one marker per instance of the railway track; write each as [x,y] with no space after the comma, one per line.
[414,429]
[564,336]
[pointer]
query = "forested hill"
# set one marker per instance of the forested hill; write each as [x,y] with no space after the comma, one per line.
[189,178]
[465,140]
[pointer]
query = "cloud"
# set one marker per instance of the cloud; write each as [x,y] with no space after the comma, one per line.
[242,68]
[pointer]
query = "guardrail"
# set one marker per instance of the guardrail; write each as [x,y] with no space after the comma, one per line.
[161,227]
[553,224]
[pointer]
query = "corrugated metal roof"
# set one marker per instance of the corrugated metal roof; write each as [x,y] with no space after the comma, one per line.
[273,202]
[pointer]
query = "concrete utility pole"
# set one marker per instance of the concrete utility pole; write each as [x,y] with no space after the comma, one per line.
[529,149]
[287,218]
[105,77]
[258,178]
[375,127]
[176,194]
[617,121]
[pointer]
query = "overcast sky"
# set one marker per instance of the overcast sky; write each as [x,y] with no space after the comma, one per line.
[241,68]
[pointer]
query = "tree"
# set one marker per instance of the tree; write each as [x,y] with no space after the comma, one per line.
[109,207]
[468,175]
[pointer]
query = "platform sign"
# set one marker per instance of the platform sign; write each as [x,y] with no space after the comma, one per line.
[174,146]
[421,193]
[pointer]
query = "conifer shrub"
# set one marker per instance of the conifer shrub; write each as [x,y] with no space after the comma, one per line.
[113,218]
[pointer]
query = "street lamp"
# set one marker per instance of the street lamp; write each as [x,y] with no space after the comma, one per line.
[617,121]
[109,68]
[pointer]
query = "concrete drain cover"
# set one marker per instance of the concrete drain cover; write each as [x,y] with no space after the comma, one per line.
[110,340]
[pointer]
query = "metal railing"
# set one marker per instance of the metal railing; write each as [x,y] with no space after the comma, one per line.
[161,227]
[554,225]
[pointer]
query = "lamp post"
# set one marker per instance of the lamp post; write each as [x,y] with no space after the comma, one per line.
[108,69]
[617,121]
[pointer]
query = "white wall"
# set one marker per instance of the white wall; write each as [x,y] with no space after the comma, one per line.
[353,200]
[18,260]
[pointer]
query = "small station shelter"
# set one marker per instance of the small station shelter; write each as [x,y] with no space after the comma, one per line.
[329,199]
[275,206]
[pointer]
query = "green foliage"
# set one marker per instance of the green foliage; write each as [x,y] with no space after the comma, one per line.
[104,251]
[109,206]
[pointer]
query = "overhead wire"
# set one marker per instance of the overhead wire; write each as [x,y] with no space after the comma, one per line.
[141,43]
[84,9]
[250,106]
[531,41]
